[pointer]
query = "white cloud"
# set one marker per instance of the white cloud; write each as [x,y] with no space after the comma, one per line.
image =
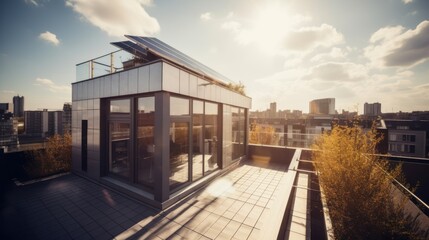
[335,54]
[308,38]
[206,16]
[267,29]
[407,1]
[50,37]
[117,17]
[51,86]
[337,72]
[32,2]
[397,47]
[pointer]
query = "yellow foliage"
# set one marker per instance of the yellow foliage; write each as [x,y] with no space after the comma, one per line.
[357,188]
[260,134]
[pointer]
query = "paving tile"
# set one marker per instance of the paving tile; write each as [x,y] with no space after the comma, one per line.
[229,231]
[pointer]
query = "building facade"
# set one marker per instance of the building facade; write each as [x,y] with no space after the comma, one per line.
[408,138]
[372,109]
[159,129]
[322,106]
[18,106]
[67,118]
[43,123]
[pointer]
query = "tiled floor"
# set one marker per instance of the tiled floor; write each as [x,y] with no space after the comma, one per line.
[234,206]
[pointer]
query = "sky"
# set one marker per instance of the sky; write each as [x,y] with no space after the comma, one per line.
[289,52]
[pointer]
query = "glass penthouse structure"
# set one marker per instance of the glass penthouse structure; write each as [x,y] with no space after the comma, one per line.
[159,126]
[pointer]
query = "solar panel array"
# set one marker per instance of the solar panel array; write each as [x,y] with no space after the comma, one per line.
[167,52]
[131,48]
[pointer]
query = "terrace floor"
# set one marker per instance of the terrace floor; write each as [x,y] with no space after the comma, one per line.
[234,206]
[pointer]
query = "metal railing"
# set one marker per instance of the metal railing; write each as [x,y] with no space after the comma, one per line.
[103,65]
[300,140]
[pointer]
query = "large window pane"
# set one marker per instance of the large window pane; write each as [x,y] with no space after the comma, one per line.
[179,154]
[119,161]
[233,133]
[210,137]
[120,106]
[197,140]
[145,141]
[227,136]
[179,106]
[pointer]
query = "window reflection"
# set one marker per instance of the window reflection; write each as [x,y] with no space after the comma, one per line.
[212,161]
[119,144]
[120,106]
[197,140]
[233,133]
[145,141]
[179,106]
[179,154]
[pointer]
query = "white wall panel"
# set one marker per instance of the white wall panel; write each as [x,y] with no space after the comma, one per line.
[184,82]
[170,78]
[115,84]
[132,80]
[97,88]
[123,83]
[155,76]
[143,79]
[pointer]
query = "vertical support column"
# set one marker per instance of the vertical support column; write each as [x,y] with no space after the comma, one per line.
[246,129]
[162,145]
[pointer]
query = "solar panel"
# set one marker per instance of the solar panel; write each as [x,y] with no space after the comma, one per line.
[165,51]
[131,48]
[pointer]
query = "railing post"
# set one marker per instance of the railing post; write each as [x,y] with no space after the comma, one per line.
[91,65]
[111,62]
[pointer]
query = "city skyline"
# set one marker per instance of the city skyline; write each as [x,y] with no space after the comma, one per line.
[289,53]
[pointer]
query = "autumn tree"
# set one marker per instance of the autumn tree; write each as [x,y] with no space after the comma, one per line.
[263,134]
[55,158]
[358,187]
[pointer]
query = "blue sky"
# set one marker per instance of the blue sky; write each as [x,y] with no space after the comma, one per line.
[285,51]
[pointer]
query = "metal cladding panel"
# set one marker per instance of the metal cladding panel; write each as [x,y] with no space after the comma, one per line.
[123,83]
[132,81]
[143,79]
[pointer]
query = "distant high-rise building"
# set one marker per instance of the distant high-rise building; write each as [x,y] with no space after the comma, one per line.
[4,107]
[273,109]
[372,109]
[43,123]
[67,117]
[18,106]
[322,106]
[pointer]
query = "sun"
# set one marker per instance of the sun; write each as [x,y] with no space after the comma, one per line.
[270,25]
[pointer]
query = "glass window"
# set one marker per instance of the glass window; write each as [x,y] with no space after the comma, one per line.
[119,163]
[145,141]
[238,132]
[212,161]
[197,140]
[179,154]
[413,138]
[412,149]
[120,106]
[227,136]
[179,106]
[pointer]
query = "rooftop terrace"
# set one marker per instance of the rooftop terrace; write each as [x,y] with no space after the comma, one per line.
[245,203]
